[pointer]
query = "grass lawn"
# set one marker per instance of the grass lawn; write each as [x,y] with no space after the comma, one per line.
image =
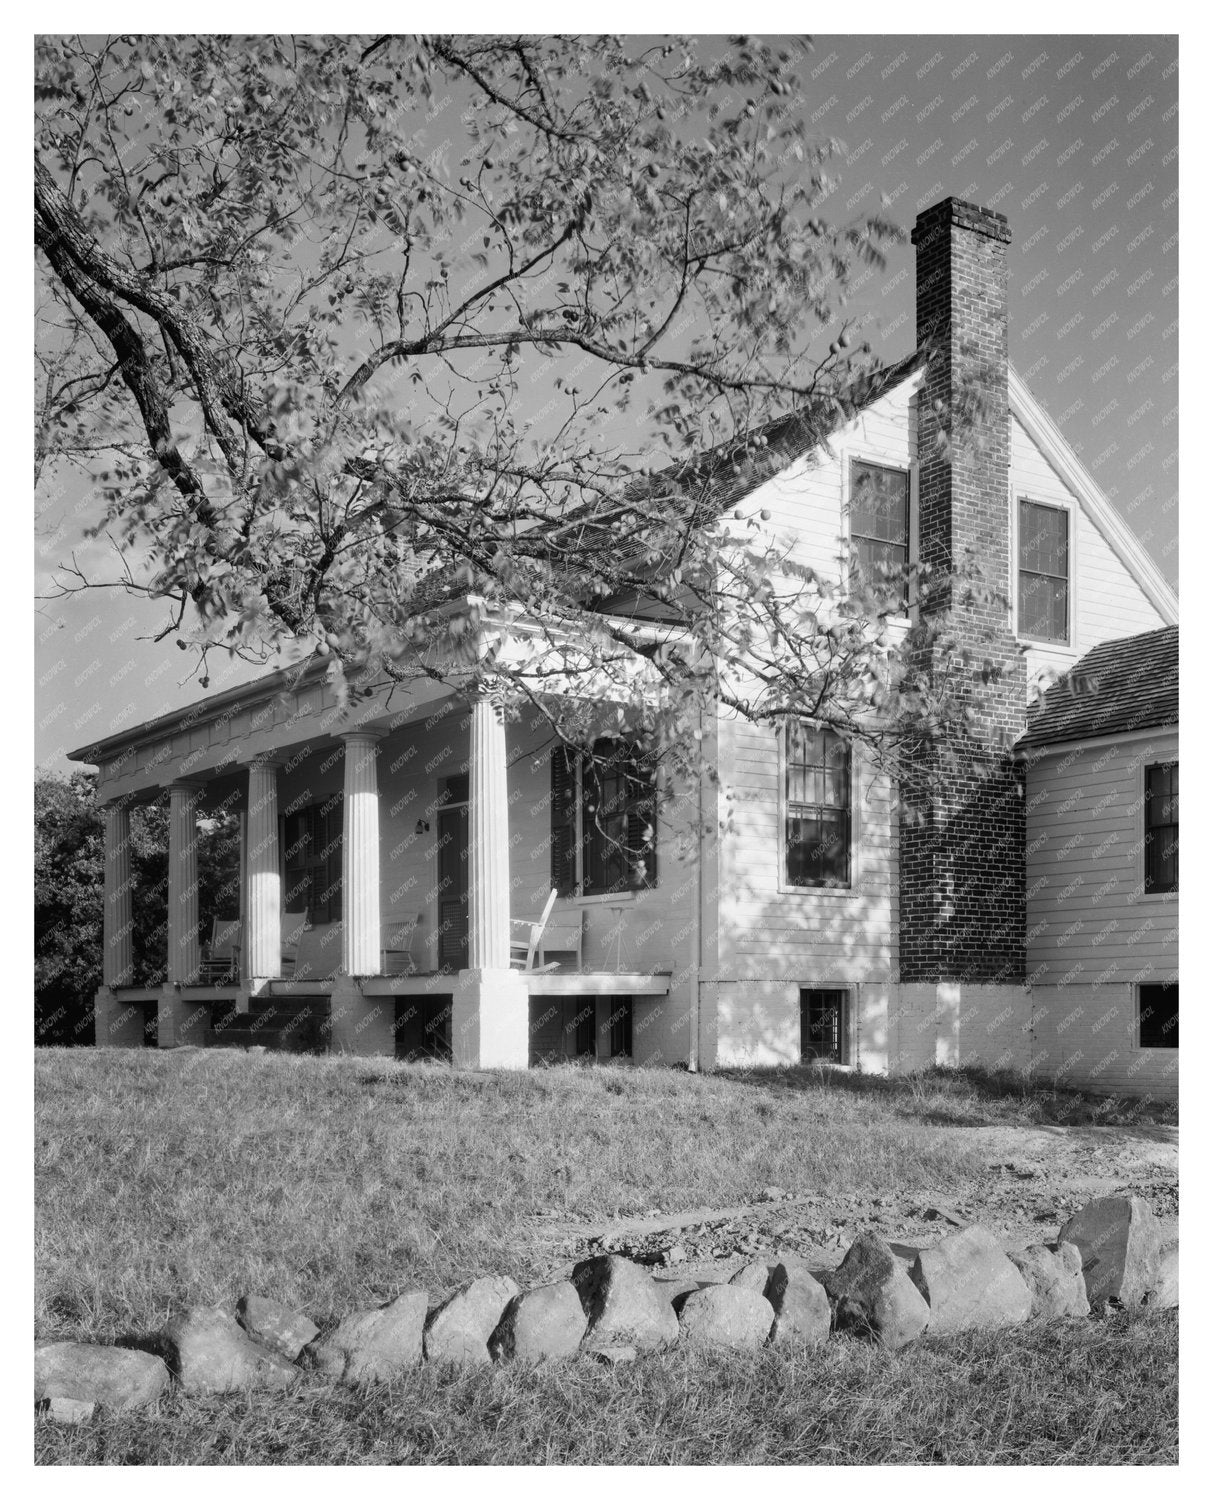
[169,1179]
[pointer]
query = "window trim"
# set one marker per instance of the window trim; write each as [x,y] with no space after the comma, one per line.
[864,453]
[854,889]
[1161,759]
[1138,1046]
[1066,503]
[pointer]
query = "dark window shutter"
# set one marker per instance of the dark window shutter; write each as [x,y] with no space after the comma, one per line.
[564,822]
[642,835]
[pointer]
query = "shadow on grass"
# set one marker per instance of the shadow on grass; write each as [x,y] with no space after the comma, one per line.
[973,1096]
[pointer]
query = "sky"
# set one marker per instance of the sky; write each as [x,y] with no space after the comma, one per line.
[1073,138]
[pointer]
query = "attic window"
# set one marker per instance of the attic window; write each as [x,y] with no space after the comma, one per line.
[879,512]
[1044,572]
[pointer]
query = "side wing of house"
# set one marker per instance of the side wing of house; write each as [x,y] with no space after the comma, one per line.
[1097,938]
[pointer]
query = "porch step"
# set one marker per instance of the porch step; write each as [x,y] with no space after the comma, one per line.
[280,1023]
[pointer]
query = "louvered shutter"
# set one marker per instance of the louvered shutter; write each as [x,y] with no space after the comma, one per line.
[642,830]
[564,822]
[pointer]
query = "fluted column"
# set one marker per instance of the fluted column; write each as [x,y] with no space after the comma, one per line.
[262,875]
[488,840]
[183,952]
[360,940]
[118,956]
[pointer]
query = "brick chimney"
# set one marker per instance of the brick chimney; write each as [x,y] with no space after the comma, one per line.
[961,870]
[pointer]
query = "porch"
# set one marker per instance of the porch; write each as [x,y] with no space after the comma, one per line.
[416,824]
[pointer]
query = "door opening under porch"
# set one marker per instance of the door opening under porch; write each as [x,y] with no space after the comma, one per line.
[580,1028]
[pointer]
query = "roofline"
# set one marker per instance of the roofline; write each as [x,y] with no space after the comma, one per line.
[1033,752]
[1047,436]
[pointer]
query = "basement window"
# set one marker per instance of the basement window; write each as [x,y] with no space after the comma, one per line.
[1158,1015]
[823,1028]
[1044,572]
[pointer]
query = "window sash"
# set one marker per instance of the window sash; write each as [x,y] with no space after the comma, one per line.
[817,808]
[1044,572]
[1158,1015]
[1162,828]
[879,523]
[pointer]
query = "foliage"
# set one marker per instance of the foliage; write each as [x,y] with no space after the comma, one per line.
[69,871]
[331,375]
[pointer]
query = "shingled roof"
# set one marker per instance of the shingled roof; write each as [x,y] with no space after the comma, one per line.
[1118,687]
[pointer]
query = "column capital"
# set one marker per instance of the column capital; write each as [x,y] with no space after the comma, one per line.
[187,784]
[369,736]
[268,760]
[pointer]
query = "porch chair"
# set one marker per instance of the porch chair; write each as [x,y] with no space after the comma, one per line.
[397,956]
[294,923]
[220,962]
[523,950]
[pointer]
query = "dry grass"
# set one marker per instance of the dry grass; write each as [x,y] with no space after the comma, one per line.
[188,1177]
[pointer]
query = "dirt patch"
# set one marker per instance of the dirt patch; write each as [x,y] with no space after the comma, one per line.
[1034,1178]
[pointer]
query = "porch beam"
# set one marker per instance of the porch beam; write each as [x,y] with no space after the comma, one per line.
[184,957]
[360,936]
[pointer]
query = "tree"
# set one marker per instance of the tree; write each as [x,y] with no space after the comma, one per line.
[330,374]
[69,865]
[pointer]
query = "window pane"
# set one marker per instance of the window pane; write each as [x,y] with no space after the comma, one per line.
[1044,606]
[880,503]
[1158,1015]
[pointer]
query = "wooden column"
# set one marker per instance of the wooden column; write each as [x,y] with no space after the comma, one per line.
[118,954]
[360,938]
[262,875]
[183,951]
[488,840]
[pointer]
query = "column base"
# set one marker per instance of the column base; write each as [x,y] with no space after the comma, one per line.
[117,1023]
[181,1022]
[490,1021]
[362,1025]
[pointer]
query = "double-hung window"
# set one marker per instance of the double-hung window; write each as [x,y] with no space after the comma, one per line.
[1162,828]
[1044,572]
[313,861]
[879,520]
[817,807]
[604,821]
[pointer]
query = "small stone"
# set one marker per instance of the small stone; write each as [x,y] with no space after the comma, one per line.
[772,1194]
[547,1322]
[614,1354]
[1165,1291]
[623,1305]
[735,1316]
[675,1255]
[1054,1277]
[275,1325]
[968,1282]
[800,1304]
[871,1294]
[753,1275]
[99,1373]
[1120,1241]
[458,1332]
[67,1410]
[373,1343]
[208,1351]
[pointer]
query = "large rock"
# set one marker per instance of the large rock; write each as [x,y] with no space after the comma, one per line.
[275,1325]
[374,1343]
[1165,1291]
[547,1322]
[800,1305]
[753,1275]
[968,1282]
[459,1330]
[1120,1242]
[100,1373]
[870,1293]
[623,1305]
[1054,1277]
[732,1315]
[207,1350]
